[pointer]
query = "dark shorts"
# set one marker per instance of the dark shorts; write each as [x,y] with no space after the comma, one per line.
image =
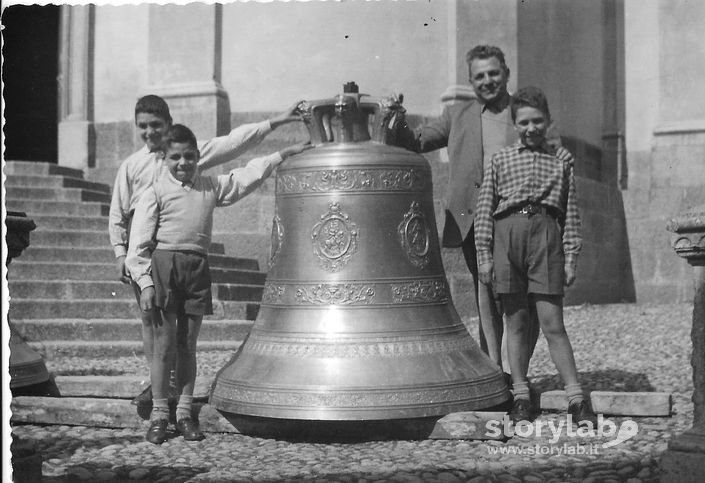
[528,255]
[182,282]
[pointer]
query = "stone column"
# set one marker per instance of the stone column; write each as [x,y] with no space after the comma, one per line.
[185,65]
[684,461]
[75,83]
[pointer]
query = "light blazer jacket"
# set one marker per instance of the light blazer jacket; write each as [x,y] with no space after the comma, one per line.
[459,128]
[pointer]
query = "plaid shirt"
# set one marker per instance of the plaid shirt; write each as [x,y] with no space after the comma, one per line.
[516,176]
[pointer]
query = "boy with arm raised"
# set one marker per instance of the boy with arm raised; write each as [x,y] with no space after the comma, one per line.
[168,260]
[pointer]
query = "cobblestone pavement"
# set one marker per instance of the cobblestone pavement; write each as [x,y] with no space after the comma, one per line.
[618,347]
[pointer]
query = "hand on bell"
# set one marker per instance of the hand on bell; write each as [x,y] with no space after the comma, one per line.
[295,149]
[289,115]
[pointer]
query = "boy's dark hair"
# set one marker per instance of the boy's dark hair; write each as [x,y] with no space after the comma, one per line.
[486,52]
[178,133]
[529,96]
[152,104]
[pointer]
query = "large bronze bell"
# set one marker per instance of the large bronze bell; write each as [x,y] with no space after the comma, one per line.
[356,322]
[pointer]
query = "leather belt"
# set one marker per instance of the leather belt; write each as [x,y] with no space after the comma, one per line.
[531,209]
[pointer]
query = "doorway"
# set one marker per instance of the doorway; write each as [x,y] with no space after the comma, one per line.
[29,72]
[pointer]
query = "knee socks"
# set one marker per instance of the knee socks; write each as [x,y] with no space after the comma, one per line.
[160,409]
[183,408]
[574,393]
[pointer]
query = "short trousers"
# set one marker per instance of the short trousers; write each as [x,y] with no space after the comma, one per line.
[528,255]
[182,282]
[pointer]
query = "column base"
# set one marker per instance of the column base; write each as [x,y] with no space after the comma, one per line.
[76,144]
[684,460]
[204,107]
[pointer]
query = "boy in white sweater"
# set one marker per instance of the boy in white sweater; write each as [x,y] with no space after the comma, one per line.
[152,121]
[167,258]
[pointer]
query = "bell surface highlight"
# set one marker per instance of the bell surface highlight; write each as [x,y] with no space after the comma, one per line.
[356,321]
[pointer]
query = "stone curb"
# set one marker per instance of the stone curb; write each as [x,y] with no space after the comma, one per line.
[615,403]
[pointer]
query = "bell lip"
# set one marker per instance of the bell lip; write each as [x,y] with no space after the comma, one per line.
[360,414]
[490,392]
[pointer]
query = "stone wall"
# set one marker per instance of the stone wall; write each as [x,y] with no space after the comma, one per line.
[663,182]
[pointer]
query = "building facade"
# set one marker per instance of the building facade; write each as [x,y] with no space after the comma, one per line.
[621,77]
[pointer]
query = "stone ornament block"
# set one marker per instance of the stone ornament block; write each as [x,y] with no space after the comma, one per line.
[468,425]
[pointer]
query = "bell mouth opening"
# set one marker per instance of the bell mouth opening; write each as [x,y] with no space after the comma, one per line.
[318,431]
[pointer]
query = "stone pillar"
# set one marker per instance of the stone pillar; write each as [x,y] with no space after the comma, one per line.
[684,461]
[185,65]
[76,49]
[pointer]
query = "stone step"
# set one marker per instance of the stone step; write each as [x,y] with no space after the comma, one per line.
[41,181]
[111,309]
[30,270]
[54,349]
[86,238]
[36,253]
[63,208]
[90,223]
[42,330]
[70,238]
[116,387]
[37,168]
[99,289]
[217,260]
[59,194]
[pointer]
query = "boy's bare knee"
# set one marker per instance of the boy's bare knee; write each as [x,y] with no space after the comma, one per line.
[554,330]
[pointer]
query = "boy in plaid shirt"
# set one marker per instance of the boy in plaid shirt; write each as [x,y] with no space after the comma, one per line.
[527,209]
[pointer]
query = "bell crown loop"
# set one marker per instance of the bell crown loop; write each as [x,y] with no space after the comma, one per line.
[352,117]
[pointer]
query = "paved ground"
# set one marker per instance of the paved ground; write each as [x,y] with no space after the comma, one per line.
[618,347]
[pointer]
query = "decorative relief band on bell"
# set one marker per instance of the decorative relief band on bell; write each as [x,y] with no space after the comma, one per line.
[415,236]
[323,181]
[421,291]
[277,239]
[361,400]
[426,291]
[301,347]
[273,293]
[334,239]
[343,294]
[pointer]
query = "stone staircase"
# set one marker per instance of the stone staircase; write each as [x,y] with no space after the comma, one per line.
[64,297]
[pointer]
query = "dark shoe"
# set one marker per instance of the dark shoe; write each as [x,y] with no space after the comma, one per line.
[189,429]
[582,414]
[144,398]
[521,410]
[157,431]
